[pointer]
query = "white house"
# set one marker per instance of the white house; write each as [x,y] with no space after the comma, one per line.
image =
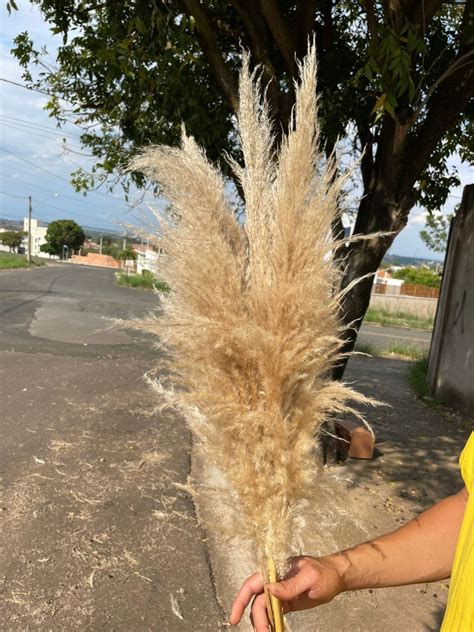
[147,259]
[38,238]
[383,279]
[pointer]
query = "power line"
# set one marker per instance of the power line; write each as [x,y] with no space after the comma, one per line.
[7,215]
[23,85]
[28,131]
[47,217]
[24,122]
[32,164]
[19,197]
[67,140]
[55,193]
[41,202]
[21,127]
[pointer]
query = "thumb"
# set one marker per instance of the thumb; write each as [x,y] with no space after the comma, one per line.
[292,587]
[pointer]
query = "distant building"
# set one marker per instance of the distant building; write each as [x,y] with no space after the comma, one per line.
[38,238]
[147,258]
[90,245]
[384,283]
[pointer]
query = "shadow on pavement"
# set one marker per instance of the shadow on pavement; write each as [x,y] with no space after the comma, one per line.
[417,446]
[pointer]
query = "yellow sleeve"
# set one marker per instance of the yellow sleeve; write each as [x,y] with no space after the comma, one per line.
[466,461]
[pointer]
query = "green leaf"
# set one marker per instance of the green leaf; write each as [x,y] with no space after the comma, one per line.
[140,25]
[389,108]
[380,103]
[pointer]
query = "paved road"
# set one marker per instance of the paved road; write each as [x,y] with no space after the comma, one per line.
[58,309]
[387,337]
[95,535]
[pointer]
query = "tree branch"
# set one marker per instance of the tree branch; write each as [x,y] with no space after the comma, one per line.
[423,12]
[257,32]
[280,32]
[303,24]
[208,41]
[368,6]
[453,91]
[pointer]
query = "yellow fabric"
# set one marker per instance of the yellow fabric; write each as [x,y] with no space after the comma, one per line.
[459,616]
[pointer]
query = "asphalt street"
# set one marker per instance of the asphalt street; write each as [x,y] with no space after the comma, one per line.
[385,338]
[95,532]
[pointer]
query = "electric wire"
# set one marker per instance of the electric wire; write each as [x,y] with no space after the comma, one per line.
[22,85]
[54,193]
[45,204]
[32,164]
[56,130]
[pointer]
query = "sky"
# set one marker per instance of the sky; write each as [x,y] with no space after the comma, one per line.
[34,160]
[33,157]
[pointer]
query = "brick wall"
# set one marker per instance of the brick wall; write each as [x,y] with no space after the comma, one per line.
[95,259]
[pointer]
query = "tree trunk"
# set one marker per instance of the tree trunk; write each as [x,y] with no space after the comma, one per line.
[364,260]
[382,214]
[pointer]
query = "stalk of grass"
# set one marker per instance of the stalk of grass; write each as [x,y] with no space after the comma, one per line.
[250,329]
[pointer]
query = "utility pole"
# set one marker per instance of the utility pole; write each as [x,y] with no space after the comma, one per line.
[100,246]
[124,244]
[28,256]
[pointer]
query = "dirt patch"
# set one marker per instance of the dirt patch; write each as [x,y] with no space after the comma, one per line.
[95,532]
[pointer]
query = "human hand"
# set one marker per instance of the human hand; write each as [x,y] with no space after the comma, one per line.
[310,582]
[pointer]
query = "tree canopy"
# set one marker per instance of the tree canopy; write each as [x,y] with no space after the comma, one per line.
[134,71]
[435,233]
[418,276]
[12,239]
[60,233]
[396,85]
[127,254]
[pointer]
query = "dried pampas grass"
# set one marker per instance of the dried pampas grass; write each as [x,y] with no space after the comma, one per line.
[250,328]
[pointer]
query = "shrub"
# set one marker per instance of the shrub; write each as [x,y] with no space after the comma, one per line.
[418,276]
[146,280]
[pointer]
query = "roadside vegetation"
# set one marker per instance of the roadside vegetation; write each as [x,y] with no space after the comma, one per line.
[418,275]
[398,319]
[398,349]
[9,261]
[144,281]
[418,378]
[12,239]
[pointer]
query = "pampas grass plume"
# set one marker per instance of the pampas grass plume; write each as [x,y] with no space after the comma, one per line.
[249,331]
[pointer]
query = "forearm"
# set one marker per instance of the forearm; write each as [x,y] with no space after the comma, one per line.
[420,551]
